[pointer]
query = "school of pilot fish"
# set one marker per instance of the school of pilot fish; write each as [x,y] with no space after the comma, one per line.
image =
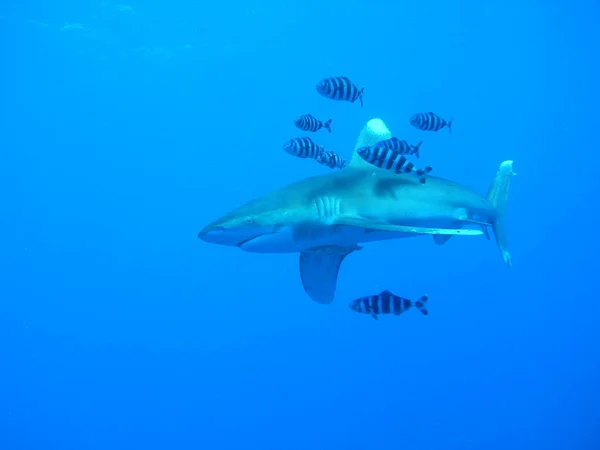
[325,218]
[389,154]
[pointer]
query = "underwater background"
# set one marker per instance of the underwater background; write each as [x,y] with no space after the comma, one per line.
[126,128]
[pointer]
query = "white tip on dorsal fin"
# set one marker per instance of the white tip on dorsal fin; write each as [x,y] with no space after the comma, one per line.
[374,131]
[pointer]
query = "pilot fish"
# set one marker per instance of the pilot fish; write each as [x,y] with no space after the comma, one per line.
[303,147]
[340,88]
[402,147]
[388,159]
[387,303]
[308,122]
[430,122]
[332,160]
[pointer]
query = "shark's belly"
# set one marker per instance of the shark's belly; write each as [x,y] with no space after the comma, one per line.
[306,238]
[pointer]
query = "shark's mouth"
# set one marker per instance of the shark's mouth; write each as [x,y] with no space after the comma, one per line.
[276,241]
[245,241]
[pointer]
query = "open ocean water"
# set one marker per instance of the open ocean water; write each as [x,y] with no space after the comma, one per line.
[125,128]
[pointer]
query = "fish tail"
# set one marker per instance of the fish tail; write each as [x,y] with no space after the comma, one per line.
[421,305]
[498,197]
[328,125]
[422,172]
[450,125]
[417,148]
[361,96]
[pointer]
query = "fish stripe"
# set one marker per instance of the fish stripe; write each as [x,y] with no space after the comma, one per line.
[386,304]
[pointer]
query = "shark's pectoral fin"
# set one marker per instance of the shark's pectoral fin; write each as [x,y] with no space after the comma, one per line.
[319,269]
[356,221]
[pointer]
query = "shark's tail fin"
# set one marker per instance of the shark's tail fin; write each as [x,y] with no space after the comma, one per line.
[498,196]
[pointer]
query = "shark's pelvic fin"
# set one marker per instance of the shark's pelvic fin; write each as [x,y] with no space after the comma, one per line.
[356,221]
[498,197]
[441,239]
[319,270]
[374,131]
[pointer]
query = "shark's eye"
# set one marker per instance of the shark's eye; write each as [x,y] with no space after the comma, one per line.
[249,221]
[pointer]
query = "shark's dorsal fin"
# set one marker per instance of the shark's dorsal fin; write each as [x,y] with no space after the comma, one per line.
[319,268]
[374,131]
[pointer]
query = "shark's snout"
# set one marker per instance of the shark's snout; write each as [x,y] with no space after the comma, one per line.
[224,235]
[212,234]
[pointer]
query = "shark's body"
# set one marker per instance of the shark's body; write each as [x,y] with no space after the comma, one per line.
[324,218]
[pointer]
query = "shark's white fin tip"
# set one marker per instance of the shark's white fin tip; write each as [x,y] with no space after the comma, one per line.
[506,167]
[377,126]
[375,130]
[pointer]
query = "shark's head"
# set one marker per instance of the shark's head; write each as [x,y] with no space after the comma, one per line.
[233,230]
[264,225]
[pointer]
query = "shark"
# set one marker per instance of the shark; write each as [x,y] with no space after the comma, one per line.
[327,217]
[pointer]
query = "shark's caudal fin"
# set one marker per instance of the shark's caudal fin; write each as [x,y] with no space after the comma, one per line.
[374,131]
[319,269]
[498,196]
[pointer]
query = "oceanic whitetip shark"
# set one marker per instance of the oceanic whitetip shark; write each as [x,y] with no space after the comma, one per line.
[325,217]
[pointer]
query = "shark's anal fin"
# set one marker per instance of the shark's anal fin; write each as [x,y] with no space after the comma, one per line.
[319,268]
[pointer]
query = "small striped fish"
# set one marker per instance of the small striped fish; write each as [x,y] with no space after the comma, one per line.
[430,122]
[303,147]
[402,147]
[308,122]
[340,88]
[332,160]
[388,159]
[387,303]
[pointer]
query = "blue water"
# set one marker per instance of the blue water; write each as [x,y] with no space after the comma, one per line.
[125,129]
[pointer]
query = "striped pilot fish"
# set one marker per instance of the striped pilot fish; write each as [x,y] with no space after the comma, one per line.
[430,122]
[402,147]
[303,147]
[387,303]
[308,122]
[388,159]
[340,88]
[332,160]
